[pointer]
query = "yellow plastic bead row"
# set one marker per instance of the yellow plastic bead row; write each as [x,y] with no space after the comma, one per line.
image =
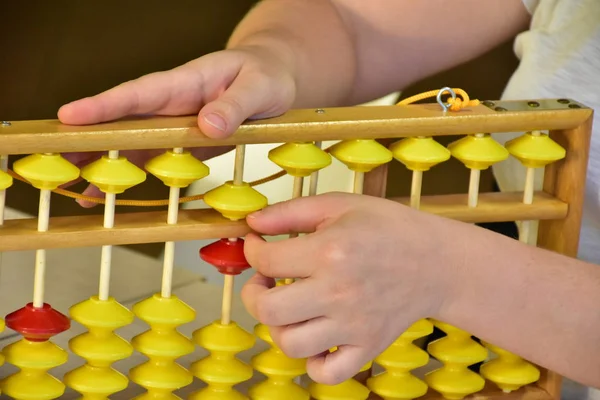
[45,172]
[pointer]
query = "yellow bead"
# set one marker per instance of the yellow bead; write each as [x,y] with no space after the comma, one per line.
[509,371]
[457,351]
[535,149]
[361,155]
[397,383]
[419,153]
[478,151]
[280,371]
[6,180]
[96,383]
[221,370]
[46,171]
[300,159]
[34,359]
[162,344]
[113,175]
[177,169]
[348,390]
[367,366]
[100,347]
[235,202]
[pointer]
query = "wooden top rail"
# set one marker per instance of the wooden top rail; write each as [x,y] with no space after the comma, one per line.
[375,122]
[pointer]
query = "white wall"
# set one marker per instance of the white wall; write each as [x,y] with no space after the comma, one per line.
[334,178]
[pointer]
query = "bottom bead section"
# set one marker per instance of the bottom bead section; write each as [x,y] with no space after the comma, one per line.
[162,344]
[221,370]
[34,359]
[348,390]
[96,382]
[158,394]
[280,371]
[217,394]
[457,351]
[509,372]
[397,382]
[100,347]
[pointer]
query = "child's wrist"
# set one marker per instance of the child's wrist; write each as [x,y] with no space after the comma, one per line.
[451,270]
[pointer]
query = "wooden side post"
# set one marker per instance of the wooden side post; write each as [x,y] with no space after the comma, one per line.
[566,180]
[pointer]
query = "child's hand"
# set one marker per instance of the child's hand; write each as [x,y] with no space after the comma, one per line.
[367,269]
[224,89]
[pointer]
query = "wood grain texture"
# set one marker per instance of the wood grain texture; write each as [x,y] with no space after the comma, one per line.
[130,228]
[565,180]
[492,207]
[151,227]
[375,122]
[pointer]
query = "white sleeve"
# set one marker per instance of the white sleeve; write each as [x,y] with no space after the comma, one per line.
[531,5]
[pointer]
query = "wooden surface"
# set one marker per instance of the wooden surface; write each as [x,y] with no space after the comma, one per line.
[492,207]
[566,180]
[199,224]
[376,122]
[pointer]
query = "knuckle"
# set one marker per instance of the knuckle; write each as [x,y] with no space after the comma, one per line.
[289,344]
[266,311]
[335,253]
[327,376]
[233,106]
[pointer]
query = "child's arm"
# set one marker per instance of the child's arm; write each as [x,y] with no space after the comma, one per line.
[351,51]
[539,304]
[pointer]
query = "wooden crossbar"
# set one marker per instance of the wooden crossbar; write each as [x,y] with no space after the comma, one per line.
[376,122]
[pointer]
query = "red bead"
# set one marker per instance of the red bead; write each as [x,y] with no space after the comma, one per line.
[226,255]
[38,324]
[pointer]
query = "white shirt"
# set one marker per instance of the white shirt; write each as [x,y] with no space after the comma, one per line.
[560,57]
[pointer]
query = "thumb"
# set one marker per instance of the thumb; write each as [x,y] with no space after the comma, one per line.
[250,95]
[302,215]
[332,368]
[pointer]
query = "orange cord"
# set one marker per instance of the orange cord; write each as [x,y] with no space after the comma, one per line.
[453,105]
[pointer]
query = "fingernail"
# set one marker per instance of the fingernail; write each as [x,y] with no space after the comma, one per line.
[253,215]
[216,121]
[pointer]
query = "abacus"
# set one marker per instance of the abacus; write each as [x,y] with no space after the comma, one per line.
[555,138]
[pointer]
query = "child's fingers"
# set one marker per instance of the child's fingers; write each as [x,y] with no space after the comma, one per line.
[280,259]
[148,94]
[308,339]
[302,215]
[338,366]
[179,91]
[90,191]
[295,303]
[253,289]
[249,95]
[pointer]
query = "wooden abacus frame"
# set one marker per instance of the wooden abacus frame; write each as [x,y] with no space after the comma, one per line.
[558,206]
